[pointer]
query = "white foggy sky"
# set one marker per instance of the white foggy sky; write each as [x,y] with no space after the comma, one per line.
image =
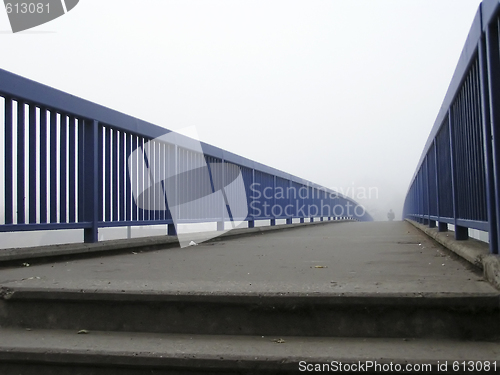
[342,93]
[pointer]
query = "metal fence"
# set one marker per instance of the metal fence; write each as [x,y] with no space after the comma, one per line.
[457,178]
[67,166]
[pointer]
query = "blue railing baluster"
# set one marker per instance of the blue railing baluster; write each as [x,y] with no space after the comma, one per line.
[461,233]
[114,179]
[151,176]
[107,174]
[160,195]
[81,169]
[53,167]
[32,164]
[43,165]
[128,185]
[20,163]
[135,176]
[100,170]
[121,176]
[148,212]
[140,178]
[72,170]
[62,168]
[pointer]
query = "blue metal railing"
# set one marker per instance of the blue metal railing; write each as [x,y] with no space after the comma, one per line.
[65,167]
[457,178]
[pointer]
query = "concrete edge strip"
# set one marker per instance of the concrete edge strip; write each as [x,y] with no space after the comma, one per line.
[125,245]
[472,250]
[437,300]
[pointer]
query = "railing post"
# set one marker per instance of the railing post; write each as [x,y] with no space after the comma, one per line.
[425,191]
[489,66]
[432,223]
[442,226]
[419,197]
[251,222]
[220,224]
[43,164]
[90,175]
[273,220]
[20,162]
[311,200]
[8,171]
[461,233]
[289,220]
[32,163]
[171,231]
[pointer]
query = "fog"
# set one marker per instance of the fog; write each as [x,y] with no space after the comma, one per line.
[342,93]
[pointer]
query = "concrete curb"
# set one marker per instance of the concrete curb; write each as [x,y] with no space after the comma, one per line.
[472,250]
[293,301]
[18,256]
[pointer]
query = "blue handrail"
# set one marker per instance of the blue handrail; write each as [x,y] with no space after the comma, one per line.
[78,177]
[457,179]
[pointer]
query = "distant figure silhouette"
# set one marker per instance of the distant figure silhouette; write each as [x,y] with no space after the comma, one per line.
[390,215]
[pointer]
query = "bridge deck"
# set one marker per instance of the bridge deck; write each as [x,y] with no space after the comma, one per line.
[337,258]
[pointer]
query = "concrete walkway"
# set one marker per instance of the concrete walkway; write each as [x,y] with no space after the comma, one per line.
[339,258]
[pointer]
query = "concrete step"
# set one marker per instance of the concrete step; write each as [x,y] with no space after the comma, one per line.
[433,315]
[60,352]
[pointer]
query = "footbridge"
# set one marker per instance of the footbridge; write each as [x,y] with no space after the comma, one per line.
[321,288]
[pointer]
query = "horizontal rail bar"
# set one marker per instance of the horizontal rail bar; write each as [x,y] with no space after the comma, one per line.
[35,227]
